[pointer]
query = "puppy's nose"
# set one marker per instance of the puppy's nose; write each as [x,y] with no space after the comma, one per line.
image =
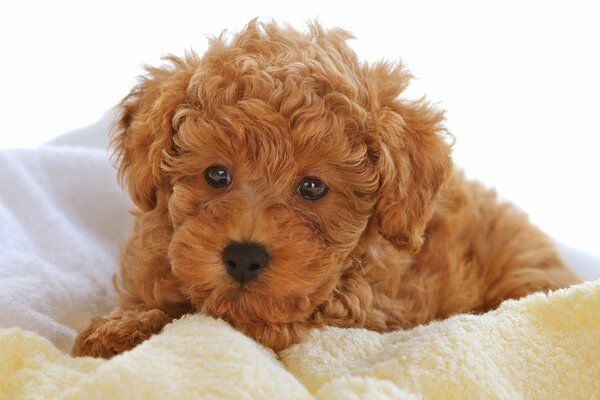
[244,261]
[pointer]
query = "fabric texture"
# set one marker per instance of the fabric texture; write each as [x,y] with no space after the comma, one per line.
[540,347]
[62,220]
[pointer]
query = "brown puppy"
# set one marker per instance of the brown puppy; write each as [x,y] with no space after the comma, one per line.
[283,185]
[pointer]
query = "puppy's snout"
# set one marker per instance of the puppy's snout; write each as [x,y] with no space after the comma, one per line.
[244,261]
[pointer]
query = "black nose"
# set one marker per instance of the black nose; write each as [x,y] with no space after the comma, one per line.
[244,261]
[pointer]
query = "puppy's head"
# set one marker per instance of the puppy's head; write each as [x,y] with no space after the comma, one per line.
[272,154]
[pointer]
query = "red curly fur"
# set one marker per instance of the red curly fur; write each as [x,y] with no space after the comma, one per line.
[399,240]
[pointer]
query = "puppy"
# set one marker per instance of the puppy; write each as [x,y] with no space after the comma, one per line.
[283,185]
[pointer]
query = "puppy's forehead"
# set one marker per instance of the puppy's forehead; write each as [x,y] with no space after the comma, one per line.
[266,139]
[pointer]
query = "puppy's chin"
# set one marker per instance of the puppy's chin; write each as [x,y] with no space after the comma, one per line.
[275,322]
[242,306]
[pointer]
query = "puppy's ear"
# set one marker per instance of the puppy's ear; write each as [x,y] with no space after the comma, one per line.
[145,129]
[410,153]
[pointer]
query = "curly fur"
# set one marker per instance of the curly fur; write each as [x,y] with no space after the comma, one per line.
[400,239]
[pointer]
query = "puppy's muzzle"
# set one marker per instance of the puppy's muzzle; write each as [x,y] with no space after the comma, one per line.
[244,261]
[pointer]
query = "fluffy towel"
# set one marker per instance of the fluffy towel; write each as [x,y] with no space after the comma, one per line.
[62,220]
[539,347]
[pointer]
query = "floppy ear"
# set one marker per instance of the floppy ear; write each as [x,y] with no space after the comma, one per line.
[145,128]
[411,156]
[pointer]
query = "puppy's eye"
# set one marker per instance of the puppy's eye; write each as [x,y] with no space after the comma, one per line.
[312,189]
[217,176]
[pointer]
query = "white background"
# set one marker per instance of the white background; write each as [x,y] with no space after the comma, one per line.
[520,80]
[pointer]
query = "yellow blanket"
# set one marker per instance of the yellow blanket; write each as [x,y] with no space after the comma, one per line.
[540,347]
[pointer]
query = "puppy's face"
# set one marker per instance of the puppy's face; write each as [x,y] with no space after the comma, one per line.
[265,211]
[272,155]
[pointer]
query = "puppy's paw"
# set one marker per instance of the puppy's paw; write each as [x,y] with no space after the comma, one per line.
[121,331]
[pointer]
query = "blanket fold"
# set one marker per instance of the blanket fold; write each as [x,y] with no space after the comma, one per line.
[540,347]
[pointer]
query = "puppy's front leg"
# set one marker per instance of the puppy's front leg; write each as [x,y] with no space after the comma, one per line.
[120,331]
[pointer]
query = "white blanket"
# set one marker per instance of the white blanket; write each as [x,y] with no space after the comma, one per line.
[62,219]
